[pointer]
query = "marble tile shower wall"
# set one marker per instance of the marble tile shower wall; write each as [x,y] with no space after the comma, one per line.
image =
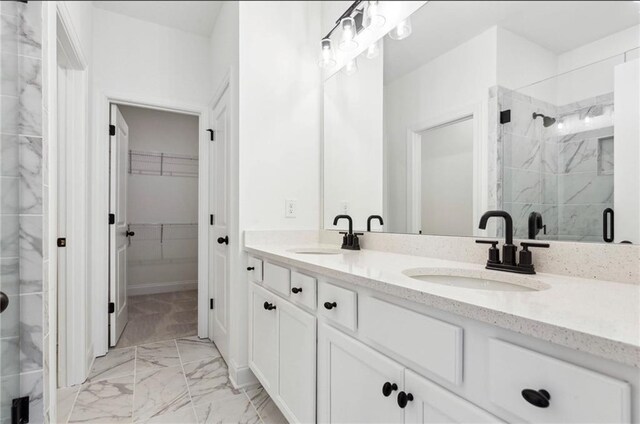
[23,201]
[564,174]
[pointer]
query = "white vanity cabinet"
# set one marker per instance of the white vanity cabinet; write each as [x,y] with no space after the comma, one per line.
[282,353]
[332,352]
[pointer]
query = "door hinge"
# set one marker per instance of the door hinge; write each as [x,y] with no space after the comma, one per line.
[505,116]
[112,218]
[20,410]
[212,219]
[112,130]
[212,303]
[212,134]
[112,307]
[62,242]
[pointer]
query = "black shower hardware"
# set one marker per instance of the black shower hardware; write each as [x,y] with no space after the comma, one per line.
[547,121]
[509,250]
[372,217]
[535,225]
[607,225]
[350,240]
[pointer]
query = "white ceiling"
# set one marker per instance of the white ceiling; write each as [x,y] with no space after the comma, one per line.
[197,17]
[558,26]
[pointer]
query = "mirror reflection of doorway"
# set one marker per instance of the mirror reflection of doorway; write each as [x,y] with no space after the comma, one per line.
[446,195]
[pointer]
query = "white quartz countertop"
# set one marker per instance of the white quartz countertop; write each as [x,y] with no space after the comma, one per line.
[598,317]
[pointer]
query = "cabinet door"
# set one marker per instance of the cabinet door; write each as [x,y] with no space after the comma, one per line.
[433,404]
[297,363]
[350,380]
[263,352]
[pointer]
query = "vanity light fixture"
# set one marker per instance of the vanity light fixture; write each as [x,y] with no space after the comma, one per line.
[373,17]
[401,31]
[373,50]
[348,42]
[351,67]
[327,55]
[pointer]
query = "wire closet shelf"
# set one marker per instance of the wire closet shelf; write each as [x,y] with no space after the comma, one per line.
[164,231]
[165,164]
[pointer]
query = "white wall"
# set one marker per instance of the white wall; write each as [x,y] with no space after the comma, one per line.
[149,60]
[353,147]
[162,199]
[458,78]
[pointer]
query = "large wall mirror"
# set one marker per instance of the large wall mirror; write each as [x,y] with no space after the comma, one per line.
[532,107]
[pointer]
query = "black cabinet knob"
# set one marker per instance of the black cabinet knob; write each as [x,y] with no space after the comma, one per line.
[4,302]
[330,305]
[388,388]
[269,306]
[130,233]
[539,398]
[250,268]
[223,240]
[404,398]
[296,290]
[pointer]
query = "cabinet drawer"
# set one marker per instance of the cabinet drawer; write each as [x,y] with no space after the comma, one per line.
[254,268]
[303,290]
[433,345]
[277,278]
[338,304]
[576,395]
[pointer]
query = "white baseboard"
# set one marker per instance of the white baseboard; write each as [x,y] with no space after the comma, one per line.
[241,377]
[153,288]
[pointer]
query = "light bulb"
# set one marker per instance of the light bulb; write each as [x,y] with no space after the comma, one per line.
[560,125]
[587,119]
[374,18]
[348,34]
[401,31]
[351,67]
[373,50]
[327,55]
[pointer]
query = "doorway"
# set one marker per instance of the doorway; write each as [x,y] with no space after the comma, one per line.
[154,170]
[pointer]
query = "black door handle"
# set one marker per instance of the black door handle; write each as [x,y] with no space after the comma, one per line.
[4,302]
[296,290]
[269,306]
[388,388]
[404,398]
[223,240]
[130,233]
[250,268]
[330,305]
[539,398]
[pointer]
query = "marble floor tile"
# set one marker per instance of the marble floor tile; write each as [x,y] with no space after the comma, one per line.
[267,409]
[156,355]
[105,401]
[183,416]
[209,381]
[194,349]
[66,399]
[160,392]
[236,410]
[116,363]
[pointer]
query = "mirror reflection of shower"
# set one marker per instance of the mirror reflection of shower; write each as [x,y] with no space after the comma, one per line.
[547,121]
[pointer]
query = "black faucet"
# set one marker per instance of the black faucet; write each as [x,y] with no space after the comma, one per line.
[535,225]
[350,240]
[508,249]
[372,217]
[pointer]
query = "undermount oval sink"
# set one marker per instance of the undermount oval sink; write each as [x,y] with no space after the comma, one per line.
[317,251]
[476,279]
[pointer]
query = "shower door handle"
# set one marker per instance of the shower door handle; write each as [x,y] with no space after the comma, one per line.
[4,302]
[607,225]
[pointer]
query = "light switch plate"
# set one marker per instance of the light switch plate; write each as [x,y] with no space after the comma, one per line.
[290,208]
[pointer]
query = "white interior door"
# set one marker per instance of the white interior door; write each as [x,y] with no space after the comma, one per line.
[218,233]
[118,234]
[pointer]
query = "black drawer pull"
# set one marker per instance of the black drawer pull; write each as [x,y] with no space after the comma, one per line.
[269,306]
[539,398]
[296,290]
[404,398]
[330,305]
[387,388]
[250,268]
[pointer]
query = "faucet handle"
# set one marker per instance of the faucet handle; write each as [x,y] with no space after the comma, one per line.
[526,258]
[525,245]
[494,253]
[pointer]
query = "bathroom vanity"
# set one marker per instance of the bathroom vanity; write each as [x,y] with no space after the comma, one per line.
[373,336]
